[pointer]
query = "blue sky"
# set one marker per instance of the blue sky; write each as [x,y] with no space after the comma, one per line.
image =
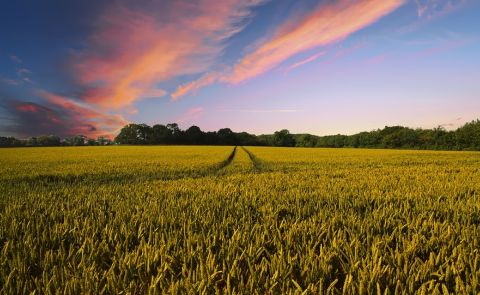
[314,66]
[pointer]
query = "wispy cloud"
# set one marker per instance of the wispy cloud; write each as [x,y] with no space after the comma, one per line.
[134,49]
[259,110]
[377,59]
[15,59]
[433,8]
[191,115]
[24,74]
[453,124]
[327,24]
[305,61]
[80,115]
[444,46]
[59,115]
[28,108]
[11,82]
[193,86]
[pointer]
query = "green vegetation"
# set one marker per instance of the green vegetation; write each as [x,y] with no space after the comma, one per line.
[254,220]
[466,137]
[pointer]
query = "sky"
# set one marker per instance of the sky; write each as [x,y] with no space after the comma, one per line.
[312,66]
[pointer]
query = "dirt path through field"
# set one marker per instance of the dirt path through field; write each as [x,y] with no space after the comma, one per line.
[256,162]
[229,160]
[239,163]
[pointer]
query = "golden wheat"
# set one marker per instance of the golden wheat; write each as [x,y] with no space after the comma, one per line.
[203,220]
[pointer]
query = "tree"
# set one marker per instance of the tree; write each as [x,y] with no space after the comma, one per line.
[265,140]
[77,140]
[48,140]
[211,138]
[468,136]
[450,140]
[176,133]
[102,140]
[193,135]
[161,134]
[144,133]
[226,137]
[128,135]
[135,134]
[245,138]
[306,140]
[400,137]
[439,137]
[92,141]
[283,138]
[10,142]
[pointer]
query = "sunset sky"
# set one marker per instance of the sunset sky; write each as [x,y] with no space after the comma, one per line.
[322,67]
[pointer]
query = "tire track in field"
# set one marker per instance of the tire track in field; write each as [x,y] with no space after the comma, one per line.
[257,163]
[106,178]
[221,168]
[228,161]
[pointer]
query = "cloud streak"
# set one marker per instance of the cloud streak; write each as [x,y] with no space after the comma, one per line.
[260,110]
[11,82]
[328,23]
[191,115]
[58,115]
[83,115]
[193,86]
[432,8]
[15,59]
[305,61]
[133,48]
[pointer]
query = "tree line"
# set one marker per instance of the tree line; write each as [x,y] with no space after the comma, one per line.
[466,137]
[53,140]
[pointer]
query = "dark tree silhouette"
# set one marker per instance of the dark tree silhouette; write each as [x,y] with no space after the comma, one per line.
[283,138]
[466,137]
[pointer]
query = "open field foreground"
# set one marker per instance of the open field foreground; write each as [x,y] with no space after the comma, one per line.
[205,220]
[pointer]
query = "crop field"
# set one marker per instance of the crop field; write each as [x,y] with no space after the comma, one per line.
[244,220]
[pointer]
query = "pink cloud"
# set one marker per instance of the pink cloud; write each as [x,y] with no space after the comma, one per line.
[259,110]
[305,61]
[133,49]
[376,59]
[190,115]
[33,119]
[10,82]
[27,108]
[82,119]
[328,24]
[193,86]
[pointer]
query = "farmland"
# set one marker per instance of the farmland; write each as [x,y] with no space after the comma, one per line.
[244,220]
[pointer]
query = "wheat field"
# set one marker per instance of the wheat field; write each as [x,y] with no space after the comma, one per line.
[238,220]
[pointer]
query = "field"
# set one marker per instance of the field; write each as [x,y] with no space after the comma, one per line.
[254,220]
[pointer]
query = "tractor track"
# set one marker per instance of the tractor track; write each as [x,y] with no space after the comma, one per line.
[218,169]
[107,178]
[229,160]
[257,163]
